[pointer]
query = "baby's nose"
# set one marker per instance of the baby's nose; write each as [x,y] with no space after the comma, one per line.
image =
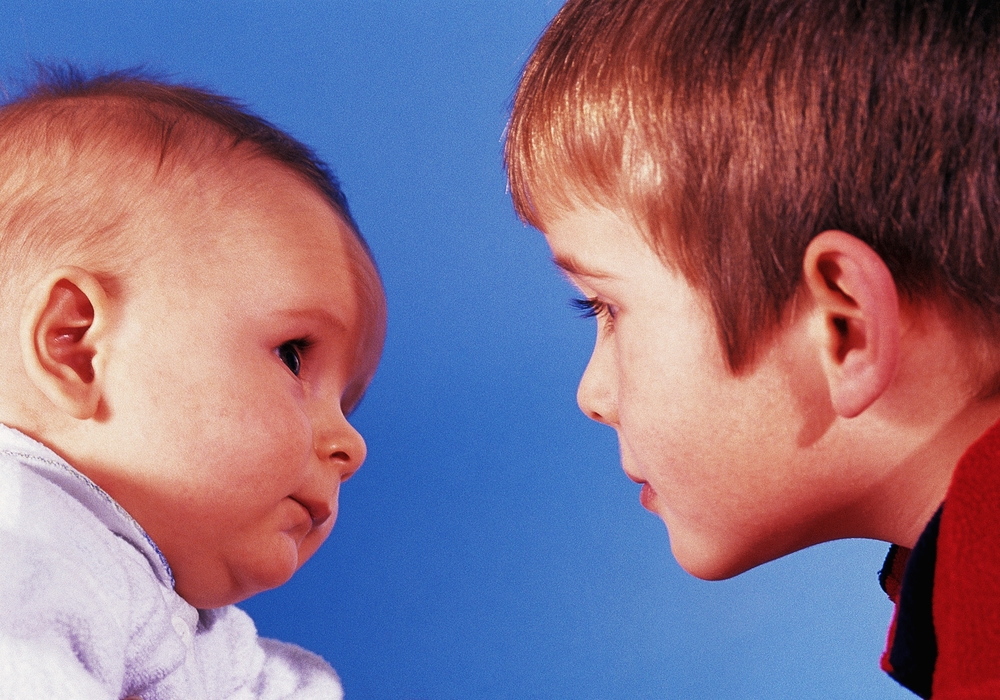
[342,446]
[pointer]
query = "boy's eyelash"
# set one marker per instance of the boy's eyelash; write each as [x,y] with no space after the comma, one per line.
[589,308]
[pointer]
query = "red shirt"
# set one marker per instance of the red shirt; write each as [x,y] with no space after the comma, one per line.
[963,583]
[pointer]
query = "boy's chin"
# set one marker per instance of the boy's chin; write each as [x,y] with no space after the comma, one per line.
[711,562]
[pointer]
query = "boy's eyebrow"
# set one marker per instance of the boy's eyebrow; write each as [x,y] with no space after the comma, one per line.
[572,266]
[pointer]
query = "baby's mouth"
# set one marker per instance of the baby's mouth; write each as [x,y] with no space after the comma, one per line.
[319,511]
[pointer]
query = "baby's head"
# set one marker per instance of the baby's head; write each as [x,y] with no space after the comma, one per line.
[693,164]
[188,314]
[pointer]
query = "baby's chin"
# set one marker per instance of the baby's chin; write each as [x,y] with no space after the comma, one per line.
[241,579]
[263,562]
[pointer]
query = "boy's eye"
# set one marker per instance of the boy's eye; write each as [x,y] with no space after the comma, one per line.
[590,308]
[291,354]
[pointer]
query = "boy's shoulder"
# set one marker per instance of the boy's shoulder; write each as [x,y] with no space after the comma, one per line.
[966,607]
[944,638]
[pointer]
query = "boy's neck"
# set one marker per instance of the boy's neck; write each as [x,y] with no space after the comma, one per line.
[922,426]
[929,470]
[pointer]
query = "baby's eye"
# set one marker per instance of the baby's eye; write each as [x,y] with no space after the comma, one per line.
[590,308]
[291,354]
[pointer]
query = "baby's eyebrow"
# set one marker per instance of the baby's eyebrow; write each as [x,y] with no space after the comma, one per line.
[321,316]
[571,266]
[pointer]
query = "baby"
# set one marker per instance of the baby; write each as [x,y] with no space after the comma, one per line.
[785,215]
[188,315]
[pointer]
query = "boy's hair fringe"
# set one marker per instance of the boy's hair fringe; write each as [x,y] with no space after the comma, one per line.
[734,131]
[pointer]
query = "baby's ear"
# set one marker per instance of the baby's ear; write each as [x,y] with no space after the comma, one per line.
[856,300]
[61,332]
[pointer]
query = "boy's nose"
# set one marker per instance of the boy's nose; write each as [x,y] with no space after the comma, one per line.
[596,394]
[338,443]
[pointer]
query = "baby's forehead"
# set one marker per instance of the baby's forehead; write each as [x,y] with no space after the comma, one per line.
[205,202]
[246,209]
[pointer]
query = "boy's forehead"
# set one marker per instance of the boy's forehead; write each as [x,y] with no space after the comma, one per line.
[562,192]
[587,238]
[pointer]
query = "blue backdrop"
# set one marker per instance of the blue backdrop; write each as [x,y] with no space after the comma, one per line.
[491,546]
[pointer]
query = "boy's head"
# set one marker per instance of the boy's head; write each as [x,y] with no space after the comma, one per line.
[730,143]
[195,313]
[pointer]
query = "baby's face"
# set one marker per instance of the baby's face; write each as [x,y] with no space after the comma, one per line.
[234,366]
[729,462]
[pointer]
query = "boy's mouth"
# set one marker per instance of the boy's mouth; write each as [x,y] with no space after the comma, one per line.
[646,495]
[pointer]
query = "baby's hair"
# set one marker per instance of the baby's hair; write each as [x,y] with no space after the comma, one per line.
[168,103]
[88,164]
[732,132]
[79,156]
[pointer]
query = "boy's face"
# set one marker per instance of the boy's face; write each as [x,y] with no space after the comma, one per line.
[233,365]
[728,462]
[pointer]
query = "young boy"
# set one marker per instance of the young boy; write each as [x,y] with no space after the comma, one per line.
[785,216]
[188,314]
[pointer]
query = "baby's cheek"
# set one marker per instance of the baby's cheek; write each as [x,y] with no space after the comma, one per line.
[280,442]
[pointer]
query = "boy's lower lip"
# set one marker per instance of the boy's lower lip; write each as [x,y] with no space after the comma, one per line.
[646,496]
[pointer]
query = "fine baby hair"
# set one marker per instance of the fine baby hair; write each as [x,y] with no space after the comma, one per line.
[80,155]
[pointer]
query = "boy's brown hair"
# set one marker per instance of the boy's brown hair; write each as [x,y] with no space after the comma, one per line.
[734,131]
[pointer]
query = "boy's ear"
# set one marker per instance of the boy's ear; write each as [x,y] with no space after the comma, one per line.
[61,328]
[856,297]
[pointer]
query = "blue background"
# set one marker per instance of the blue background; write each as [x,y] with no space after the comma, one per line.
[491,546]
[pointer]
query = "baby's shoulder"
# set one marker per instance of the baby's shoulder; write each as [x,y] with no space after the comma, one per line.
[48,533]
[71,584]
